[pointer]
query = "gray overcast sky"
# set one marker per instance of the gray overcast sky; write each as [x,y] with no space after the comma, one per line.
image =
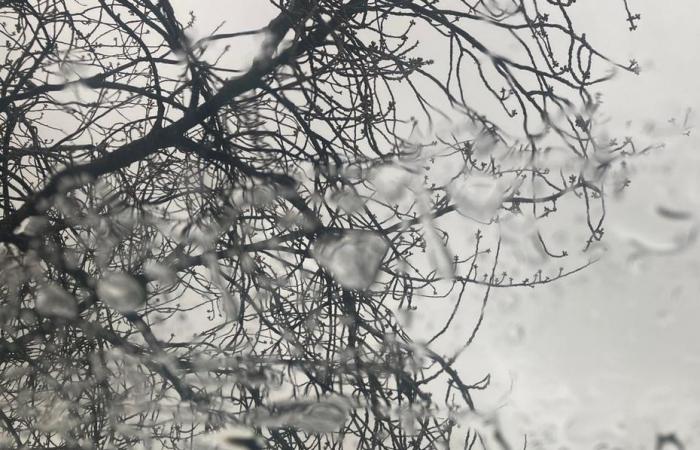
[614,354]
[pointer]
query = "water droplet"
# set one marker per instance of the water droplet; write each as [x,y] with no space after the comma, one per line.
[668,441]
[477,196]
[121,292]
[679,242]
[233,438]
[69,183]
[515,334]
[323,416]
[123,220]
[229,303]
[484,143]
[519,232]
[673,214]
[28,316]
[391,181]
[32,226]
[52,300]
[247,263]
[353,259]
[347,201]
[159,272]
[438,254]
[204,234]
[260,195]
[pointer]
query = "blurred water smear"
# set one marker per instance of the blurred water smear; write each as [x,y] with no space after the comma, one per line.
[326,415]
[52,300]
[121,292]
[32,226]
[391,182]
[235,437]
[479,196]
[353,258]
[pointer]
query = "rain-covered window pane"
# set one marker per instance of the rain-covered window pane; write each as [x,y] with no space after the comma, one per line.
[345,224]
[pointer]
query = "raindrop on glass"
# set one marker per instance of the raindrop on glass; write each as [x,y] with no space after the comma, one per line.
[353,258]
[32,226]
[52,300]
[121,292]
[477,196]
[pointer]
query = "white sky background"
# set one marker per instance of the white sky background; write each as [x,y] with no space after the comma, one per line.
[612,354]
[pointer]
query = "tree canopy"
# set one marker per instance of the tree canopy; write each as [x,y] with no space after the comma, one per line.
[193,240]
